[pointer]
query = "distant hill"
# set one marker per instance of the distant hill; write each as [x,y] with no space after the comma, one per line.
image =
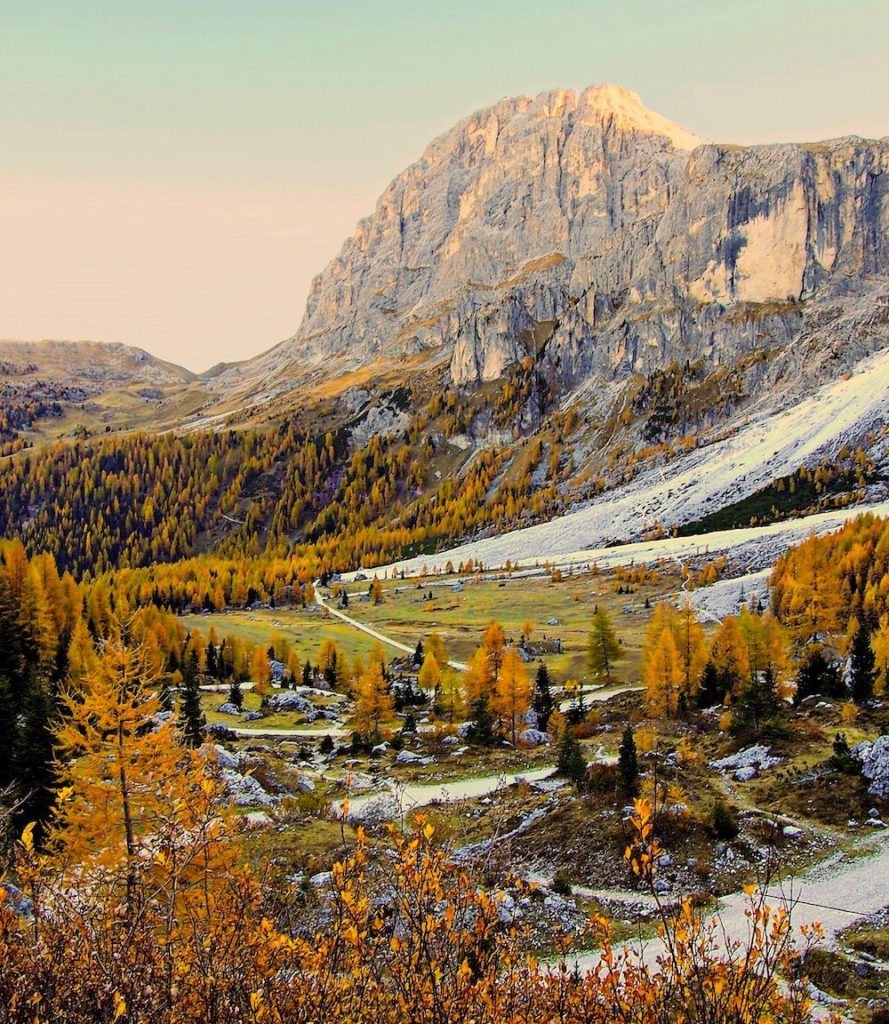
[51,389]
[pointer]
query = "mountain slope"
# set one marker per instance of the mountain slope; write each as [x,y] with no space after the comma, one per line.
[79,362]
[850,412]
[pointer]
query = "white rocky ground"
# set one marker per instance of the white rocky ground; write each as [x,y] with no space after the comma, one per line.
[764,447]
[726,597]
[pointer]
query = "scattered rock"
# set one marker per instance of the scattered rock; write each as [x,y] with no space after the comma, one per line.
[873,756]
[229,709]
[534,738]
[287,700]
[757,757]
[256,819]
[225,758]
[16,899]
[379,810]
[246,791]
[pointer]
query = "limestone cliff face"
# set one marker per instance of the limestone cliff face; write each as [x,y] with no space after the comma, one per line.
[600,238]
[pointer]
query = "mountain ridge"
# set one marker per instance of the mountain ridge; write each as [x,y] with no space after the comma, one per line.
[569,228]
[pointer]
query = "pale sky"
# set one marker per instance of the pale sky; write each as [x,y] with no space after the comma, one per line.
[174,172]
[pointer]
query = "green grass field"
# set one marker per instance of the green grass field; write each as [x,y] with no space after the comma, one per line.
[460,618]
[304,629]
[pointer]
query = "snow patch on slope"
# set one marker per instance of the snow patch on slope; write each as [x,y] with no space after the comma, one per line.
[767,445]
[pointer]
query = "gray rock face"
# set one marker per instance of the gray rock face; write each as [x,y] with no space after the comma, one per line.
[873,755]
[600,239]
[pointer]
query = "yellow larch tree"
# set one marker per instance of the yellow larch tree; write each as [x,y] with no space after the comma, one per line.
[435,646]
[260,672]
[663,676]
[115,765]
[494,646]
[430,674]
[512,693]
[477,677]
[728,654]
[82,660]
[450,700]
[691,645]
[373,701]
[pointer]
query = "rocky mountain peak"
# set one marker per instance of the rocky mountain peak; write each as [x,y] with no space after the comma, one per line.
[597,237]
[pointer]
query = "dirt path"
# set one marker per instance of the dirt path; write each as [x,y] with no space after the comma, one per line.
[459,666]
[296,733]
[835,893]
[410,796]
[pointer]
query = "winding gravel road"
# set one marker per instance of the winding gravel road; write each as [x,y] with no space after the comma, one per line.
[459,666]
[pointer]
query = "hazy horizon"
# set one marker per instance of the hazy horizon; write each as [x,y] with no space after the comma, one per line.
[173,178]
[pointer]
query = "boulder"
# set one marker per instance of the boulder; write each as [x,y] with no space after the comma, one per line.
[756,757]
[288,700]
[873,756]
[229,709]
[225,758]
[256,819]
[533,738]
[246,791]
[408,757]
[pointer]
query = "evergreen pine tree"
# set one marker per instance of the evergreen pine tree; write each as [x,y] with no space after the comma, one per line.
[307,674]
[862,665]
[543,702]
[236,695]
[604,648]
[34,754]
[711,691]
[190,713]
[628,764]
[571,762]
[757,707]
[817,676]
[212,662]
[165,695]
[9,726]
[481,731]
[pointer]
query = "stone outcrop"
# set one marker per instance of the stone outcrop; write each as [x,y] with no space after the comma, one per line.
[600,239]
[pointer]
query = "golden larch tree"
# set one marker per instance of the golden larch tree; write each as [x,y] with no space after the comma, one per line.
[511,696]
[373,701]
[663,676]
